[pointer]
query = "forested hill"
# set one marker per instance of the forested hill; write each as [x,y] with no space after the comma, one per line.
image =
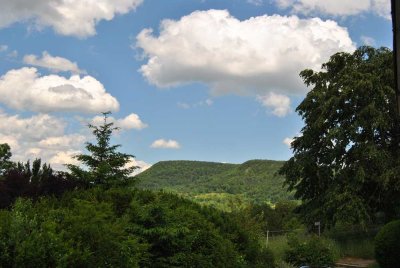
[254,180]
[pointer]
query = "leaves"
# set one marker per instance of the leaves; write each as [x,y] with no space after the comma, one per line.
[347,146]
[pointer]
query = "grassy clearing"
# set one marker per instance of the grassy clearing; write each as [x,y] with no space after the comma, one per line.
[278,245]
[374,265]
[360,248]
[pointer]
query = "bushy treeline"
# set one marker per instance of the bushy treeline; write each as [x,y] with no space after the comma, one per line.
[123,228]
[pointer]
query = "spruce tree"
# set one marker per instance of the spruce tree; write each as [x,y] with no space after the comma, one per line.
[104,164]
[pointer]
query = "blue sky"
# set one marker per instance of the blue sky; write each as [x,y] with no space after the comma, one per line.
[185,79]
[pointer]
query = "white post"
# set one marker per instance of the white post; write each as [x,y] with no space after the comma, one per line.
[318,223]
[267,237]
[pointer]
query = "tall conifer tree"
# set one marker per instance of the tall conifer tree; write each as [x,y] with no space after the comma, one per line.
[104,164]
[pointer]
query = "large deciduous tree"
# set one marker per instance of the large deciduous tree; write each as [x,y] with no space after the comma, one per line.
[345,166]
[104,164]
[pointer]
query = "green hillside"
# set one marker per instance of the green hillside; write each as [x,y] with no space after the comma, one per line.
[208,182]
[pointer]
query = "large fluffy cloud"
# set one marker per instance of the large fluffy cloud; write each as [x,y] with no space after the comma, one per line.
[54,64]
[25,89]
[254,56]
[337,7]
[66,17]
[39,136]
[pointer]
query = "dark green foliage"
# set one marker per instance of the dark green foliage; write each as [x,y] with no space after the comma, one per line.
[33,181]
[123,228]
[309,251]
[255,180]
[345,166]
[280,217]
[105,165]
[387,245]
[5,155]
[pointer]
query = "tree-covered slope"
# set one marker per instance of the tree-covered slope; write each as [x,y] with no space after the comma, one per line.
[254,180]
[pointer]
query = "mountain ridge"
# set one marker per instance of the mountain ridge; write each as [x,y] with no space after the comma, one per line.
[254,180]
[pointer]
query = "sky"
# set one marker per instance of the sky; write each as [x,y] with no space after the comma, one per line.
[209,80]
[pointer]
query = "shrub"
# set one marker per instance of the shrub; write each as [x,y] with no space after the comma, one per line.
[314,252]
[387,245]
[123,228]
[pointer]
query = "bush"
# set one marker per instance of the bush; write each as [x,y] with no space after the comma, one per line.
[314,252]
[387,245]
[125,228]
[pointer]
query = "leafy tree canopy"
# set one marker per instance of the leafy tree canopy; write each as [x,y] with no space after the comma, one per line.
[345,166]
[5,155]
[104,164]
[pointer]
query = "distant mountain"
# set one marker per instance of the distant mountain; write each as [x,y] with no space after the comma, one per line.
[254,180]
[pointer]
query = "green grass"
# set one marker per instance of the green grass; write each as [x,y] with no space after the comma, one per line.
[360,248]
[278,245]
[374,265]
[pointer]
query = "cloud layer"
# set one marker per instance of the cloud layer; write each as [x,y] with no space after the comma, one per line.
[25,89]
[337,7]
[67,17]
[54,64]
[49,138]
[255,56]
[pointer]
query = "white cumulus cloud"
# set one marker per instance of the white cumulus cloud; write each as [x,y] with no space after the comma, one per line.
[38,136]
[278,104]
[255,56]
[337,7]
[25,89]
[61,158]
[288,142]
[67,17]
[54,64]
[255,2]
[34,128]
[3,48]
[165,144]
[10,140]
[45,136]
[368,41]
[132,121]
[62,142]
[140,164]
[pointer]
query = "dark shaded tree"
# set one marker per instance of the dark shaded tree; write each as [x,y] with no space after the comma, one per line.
[5,155]
[34,181]
[346,166]
[104,164]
